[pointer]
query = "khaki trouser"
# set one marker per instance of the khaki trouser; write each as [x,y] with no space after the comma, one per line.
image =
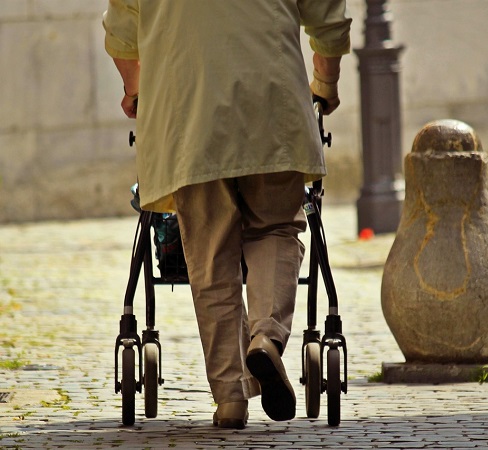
[259,216]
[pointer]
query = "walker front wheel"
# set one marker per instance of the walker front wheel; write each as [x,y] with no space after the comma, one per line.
[151,380]
[333,387]
[128,386]
[313,379]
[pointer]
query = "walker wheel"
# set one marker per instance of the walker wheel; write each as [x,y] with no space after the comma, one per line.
[333,387]
[128,386]
[151,380]
[313,379]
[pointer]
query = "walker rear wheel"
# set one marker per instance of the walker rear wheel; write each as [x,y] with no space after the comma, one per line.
[128,386]
[313,379]
[333,387]
[151,363]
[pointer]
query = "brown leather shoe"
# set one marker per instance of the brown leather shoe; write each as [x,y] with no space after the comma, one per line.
[231,415]
[277,395]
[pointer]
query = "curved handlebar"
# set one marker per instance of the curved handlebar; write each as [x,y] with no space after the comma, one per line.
[319,105]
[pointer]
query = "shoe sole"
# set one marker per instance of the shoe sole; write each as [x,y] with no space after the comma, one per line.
[277,397]
[236,424]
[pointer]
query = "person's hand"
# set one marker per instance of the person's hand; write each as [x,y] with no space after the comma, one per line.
[129,69]
[129,105]
[326,87]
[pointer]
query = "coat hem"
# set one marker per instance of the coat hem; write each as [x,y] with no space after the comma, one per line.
[165,203]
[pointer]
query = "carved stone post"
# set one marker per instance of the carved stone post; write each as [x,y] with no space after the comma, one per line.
[380,202]
[435,289]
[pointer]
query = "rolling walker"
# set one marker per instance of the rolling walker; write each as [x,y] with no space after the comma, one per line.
[321,354]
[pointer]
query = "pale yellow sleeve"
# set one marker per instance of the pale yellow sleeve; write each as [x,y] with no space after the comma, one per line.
[328,24]
[121,22]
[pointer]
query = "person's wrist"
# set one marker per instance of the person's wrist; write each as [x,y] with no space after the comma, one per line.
[132,97]
[325,86]
[328,79]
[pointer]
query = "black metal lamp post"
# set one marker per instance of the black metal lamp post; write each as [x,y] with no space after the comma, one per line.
[381,199]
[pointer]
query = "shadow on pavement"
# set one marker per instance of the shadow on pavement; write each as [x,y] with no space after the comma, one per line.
[415,432]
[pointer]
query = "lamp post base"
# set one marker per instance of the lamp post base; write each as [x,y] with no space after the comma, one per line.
[380,212]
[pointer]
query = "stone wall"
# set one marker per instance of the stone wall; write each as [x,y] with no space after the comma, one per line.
[63,137]
[63,140]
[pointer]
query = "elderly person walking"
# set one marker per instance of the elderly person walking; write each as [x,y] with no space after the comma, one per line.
[227,137]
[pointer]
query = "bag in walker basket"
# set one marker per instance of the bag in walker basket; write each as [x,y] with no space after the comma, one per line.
[167,240]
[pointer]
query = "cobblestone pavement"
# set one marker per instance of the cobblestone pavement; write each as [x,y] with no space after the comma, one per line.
[61,296]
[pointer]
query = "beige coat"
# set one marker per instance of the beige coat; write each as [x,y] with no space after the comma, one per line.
[223,87]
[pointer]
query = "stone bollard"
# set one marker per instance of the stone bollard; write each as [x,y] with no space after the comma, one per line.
[435,283]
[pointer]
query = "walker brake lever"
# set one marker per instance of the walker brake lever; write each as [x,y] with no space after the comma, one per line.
[132,138]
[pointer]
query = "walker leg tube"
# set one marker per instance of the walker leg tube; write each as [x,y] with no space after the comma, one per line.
[141,247]
[149,286]
[321,250]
